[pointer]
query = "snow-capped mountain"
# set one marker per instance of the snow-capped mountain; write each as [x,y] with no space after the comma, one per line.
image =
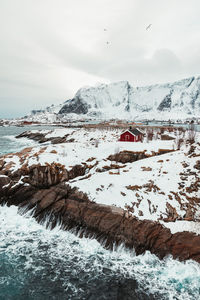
[50,109]
[178,100]
[47,115]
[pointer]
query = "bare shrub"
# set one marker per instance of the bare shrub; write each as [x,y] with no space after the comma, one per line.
[170,129]
[149,133]
[178,142]
[191,133]
[162,130]
[142,138]
[191,136]
[155,136]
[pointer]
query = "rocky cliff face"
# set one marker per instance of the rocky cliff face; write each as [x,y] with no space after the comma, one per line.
[121,100]
[76,106]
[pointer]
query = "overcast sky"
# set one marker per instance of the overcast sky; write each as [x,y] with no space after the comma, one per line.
[51,48]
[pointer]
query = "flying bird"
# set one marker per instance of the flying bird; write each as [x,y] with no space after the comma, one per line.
[148,27]
[105,29]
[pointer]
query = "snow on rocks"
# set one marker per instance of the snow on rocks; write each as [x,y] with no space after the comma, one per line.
[163,188]
[147,188]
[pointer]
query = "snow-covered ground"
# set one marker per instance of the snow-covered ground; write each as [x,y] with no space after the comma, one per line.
[144,187]
[164,188]
[86,144]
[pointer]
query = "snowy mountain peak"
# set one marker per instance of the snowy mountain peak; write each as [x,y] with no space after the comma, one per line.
[121,100]
[177,100]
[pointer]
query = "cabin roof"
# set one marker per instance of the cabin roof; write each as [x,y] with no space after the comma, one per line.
[133,131]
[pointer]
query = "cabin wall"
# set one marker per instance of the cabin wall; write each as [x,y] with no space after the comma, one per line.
[128,137]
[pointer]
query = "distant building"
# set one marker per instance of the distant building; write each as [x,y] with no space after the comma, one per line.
[27,123]
[131,135]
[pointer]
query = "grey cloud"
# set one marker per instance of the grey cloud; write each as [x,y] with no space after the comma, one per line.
[49,50]
[163,66]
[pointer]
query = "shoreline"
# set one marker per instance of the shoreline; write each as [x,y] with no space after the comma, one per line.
[53,180]
[108,224]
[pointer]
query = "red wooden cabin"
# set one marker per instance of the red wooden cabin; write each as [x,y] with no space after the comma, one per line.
[131,135]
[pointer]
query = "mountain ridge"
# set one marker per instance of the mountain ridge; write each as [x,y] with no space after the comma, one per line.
[175,100]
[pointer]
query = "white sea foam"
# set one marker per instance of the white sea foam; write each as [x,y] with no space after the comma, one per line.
[20,142]
[64,257]
[9,143]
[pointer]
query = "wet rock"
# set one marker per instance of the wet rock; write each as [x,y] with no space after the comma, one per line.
[4,181]
[41,137]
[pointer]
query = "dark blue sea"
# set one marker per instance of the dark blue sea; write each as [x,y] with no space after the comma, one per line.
[36,263]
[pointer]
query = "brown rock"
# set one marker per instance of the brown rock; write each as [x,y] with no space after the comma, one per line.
[127,156]
[50,196]
[166,137]
[4,180]
[171,211]
[140,213]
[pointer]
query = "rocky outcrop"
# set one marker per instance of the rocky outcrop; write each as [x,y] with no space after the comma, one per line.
[76,106]
[110,224]
[166,103]
[42,176]
[46,176]
[41,137]
[45,189]
[107,224]
[131,156]
[127,156]
[4,181]
[37,136]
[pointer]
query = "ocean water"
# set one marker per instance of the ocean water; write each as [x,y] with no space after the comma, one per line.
[38,263]
[8,142]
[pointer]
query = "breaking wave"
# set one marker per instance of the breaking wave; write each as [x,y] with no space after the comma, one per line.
[15,145]
[37,263]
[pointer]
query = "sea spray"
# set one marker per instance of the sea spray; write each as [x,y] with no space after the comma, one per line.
[37,263]
[57,264]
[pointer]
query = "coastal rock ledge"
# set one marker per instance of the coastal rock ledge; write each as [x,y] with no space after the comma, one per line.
[44,189]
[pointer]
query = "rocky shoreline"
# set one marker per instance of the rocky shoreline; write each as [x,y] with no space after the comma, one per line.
[45,190]
[41,137]
[118,193]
